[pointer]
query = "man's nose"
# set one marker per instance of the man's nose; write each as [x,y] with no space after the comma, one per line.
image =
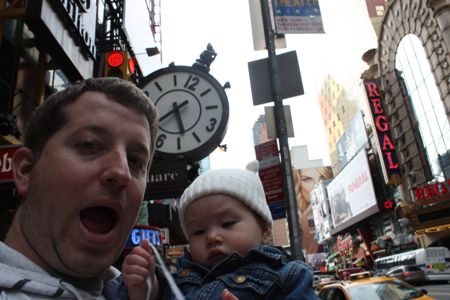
[116,169]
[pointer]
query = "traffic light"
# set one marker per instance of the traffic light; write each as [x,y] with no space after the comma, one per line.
[116,64]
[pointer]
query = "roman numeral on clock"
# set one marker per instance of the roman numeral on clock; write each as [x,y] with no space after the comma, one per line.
[178,143]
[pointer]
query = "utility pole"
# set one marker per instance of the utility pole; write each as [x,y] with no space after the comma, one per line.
[295,233]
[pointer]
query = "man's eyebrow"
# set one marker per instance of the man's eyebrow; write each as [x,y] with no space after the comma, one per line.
[137,145]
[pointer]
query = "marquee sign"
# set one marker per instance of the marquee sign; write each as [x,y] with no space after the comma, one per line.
[432,193]
[67,29]
[389,164]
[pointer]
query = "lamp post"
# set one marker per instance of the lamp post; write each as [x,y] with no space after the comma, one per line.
[295,233]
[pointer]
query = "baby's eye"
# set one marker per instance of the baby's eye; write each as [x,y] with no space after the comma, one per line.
[198,232]
[228,224]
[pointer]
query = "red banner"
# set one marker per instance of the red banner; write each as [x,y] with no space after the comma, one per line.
[6,154]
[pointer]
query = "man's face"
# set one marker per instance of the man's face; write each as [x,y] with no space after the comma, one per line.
[84,192]
[218,225]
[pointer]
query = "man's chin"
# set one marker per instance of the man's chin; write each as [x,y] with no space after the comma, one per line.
[87,267]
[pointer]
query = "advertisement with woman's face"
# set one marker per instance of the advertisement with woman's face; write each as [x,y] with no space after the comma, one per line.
[305,180]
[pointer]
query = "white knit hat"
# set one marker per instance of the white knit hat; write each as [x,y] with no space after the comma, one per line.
[243,185]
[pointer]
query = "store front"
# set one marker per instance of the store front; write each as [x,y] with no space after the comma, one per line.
[44,46]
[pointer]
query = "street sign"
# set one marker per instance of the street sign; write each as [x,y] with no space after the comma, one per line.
[266,150]
[272,180]
[290,78]
[270,121]
[277,210]
[297,17]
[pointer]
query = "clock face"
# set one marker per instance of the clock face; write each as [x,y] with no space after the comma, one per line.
[193,111]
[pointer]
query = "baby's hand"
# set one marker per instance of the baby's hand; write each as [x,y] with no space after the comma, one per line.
[227,295]
[137,266]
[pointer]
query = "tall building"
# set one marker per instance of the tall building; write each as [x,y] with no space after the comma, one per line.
[260,130]
[337,110]
[412,63]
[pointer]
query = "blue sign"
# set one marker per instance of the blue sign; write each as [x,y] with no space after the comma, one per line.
[297,16]
[138,234]
[277,209]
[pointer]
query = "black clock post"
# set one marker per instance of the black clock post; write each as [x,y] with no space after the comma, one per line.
[295,234]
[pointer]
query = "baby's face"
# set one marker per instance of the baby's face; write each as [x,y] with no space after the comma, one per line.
[218,225]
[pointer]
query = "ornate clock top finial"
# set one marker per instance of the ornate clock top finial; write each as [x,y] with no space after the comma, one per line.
[206,58]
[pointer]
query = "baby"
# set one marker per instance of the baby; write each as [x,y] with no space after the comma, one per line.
[228,224]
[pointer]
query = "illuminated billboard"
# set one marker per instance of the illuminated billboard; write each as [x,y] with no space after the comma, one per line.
[351,194]
[321,211]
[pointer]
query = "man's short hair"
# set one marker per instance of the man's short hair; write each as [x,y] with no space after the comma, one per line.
[51,115]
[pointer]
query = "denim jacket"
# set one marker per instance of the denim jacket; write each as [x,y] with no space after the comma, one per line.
[264,273]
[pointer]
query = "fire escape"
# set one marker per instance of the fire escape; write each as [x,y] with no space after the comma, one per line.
[113,36]
[155,25]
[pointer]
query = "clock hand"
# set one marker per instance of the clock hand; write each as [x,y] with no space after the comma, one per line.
[176,110]
[163,117]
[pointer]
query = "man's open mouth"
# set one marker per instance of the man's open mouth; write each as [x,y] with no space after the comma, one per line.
[99,219]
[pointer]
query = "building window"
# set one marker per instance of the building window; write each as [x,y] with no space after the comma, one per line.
[57,80]
[379,10]
[412,62]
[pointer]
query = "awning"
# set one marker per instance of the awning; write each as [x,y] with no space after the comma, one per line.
[336,254]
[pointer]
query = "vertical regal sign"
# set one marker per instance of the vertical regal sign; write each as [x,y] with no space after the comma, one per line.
[389,164]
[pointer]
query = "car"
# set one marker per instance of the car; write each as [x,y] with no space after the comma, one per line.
[344,274]
[364,286]
[410,274]
[320,281]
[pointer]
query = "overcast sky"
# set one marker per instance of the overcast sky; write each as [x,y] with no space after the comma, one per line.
[188,26]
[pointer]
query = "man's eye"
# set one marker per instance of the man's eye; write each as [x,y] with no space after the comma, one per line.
[137,163]
[228,224]
[87,145]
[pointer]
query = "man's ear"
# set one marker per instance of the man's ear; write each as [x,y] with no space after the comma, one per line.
[22,165]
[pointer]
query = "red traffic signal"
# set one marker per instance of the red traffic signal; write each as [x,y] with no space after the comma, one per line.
[116,64]
[115,59]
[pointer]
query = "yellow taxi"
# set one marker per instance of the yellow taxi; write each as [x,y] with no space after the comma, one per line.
[364,286]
